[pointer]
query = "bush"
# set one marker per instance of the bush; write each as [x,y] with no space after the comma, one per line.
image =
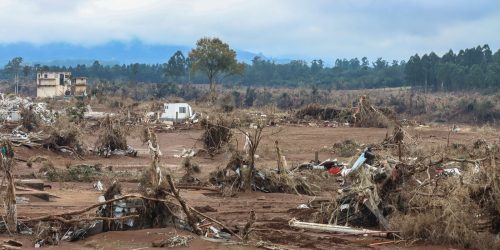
[250,96]
[284,101]
[63,133]
[263,98]
[76,113]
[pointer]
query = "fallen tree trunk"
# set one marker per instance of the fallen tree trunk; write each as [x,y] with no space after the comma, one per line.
[190,219]
[335,229]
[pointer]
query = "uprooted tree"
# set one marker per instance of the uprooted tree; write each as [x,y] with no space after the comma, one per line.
[112,137]
[241,173]
[155,153]
[7,164]
[64,135]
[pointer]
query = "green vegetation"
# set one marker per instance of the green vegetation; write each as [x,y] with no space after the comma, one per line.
[213,61]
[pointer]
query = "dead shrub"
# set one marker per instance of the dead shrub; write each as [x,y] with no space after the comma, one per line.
[455,210]
[271,181]
[112,136]
[29,119]
[216,135]
[368,116]
[190,168]
[346,148]
[315,111]
[64,134]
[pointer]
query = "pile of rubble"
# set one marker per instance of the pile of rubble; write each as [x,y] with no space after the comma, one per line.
[11,106]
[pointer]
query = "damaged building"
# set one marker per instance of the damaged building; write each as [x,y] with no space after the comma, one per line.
[55,84]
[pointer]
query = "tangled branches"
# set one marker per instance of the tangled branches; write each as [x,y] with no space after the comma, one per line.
[215,136]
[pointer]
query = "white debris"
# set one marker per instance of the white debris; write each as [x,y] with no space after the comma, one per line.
[11,105]
[344,206]
[248,143]
[186,153]
[101,199]
[22,200]
[452,171]
[98,185]
[302,206]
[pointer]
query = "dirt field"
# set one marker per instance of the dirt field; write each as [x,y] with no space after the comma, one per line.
[273,210]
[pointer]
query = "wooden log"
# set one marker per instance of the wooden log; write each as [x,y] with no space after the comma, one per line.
[248,226]
[216,222]
[279,156]
[334,228]
[386,242]
[190,218]
[32,183]
[382,221]
[198,188]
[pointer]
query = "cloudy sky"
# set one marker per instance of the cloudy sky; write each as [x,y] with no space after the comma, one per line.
[328,29]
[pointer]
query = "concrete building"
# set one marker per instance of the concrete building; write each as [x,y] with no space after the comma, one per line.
[80,86]
[53,84]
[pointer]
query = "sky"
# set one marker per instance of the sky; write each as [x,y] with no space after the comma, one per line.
[305,29]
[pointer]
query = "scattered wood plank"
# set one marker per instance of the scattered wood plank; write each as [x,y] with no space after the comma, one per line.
[334,228]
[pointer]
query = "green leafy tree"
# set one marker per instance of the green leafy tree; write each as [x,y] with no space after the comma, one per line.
[215,59]
[14,67]
[176,66]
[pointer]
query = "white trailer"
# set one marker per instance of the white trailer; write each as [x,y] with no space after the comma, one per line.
[176,112]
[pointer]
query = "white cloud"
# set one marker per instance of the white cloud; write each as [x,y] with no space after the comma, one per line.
[308,29]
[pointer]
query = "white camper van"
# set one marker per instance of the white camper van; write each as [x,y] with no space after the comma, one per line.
[176,112]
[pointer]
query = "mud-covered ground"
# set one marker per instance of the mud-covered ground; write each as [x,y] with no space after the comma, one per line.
[273,210]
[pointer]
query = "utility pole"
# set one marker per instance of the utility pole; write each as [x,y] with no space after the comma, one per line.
[16,81]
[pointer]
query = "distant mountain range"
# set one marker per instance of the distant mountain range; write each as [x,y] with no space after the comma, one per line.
[65,54]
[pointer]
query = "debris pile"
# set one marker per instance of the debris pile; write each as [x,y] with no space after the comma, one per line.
[174,241]
[12,106]
[407,197]
[190,168]
[113,140]
[64,136]
[317,112]
[216,135]
[366,115]
[232,179]
[363,115]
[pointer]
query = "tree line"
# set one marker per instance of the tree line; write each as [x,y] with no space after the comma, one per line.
[473,68]
[212,61]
